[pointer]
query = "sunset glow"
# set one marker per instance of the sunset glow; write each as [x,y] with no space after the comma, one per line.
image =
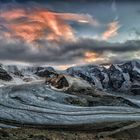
[91,57]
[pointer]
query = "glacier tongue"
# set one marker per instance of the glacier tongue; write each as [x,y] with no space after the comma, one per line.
[37,105]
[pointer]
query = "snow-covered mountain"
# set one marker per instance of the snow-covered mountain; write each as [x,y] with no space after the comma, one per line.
[117,77]
[18,74]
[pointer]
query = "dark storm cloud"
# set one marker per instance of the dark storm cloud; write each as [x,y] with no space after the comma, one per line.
[69,53]
[102,46]
[20,51]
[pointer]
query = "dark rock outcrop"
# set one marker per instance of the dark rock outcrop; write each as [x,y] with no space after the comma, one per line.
[13,69]
[70,84]
[115,76]
[135,89]
[118,80]
[46,72]
[4,75]
[133,68]
[58,81]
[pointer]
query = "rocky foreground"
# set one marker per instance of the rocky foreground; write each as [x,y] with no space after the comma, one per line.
[93,99]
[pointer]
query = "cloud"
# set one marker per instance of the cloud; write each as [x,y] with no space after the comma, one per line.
[32,33]
[89,50]
[79,51]
[102,46]
[112,30]
[36,24]
[82,18]
[33,23]
[114,26]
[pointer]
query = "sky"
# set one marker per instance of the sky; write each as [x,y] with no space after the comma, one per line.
[66,33]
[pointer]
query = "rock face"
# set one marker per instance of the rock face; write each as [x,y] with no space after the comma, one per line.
[118,77]
[13,69]
[58,81]
[4,75]
[133,68]
[46,72]
[70,84]
[94,74]
[115,76]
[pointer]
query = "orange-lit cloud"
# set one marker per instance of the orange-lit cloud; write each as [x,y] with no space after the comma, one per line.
[111,31]
[90,56]
[42,24]
[36,25]
[52,35]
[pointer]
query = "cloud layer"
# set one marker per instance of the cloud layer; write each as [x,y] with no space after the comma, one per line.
[79,51]
[33,33]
